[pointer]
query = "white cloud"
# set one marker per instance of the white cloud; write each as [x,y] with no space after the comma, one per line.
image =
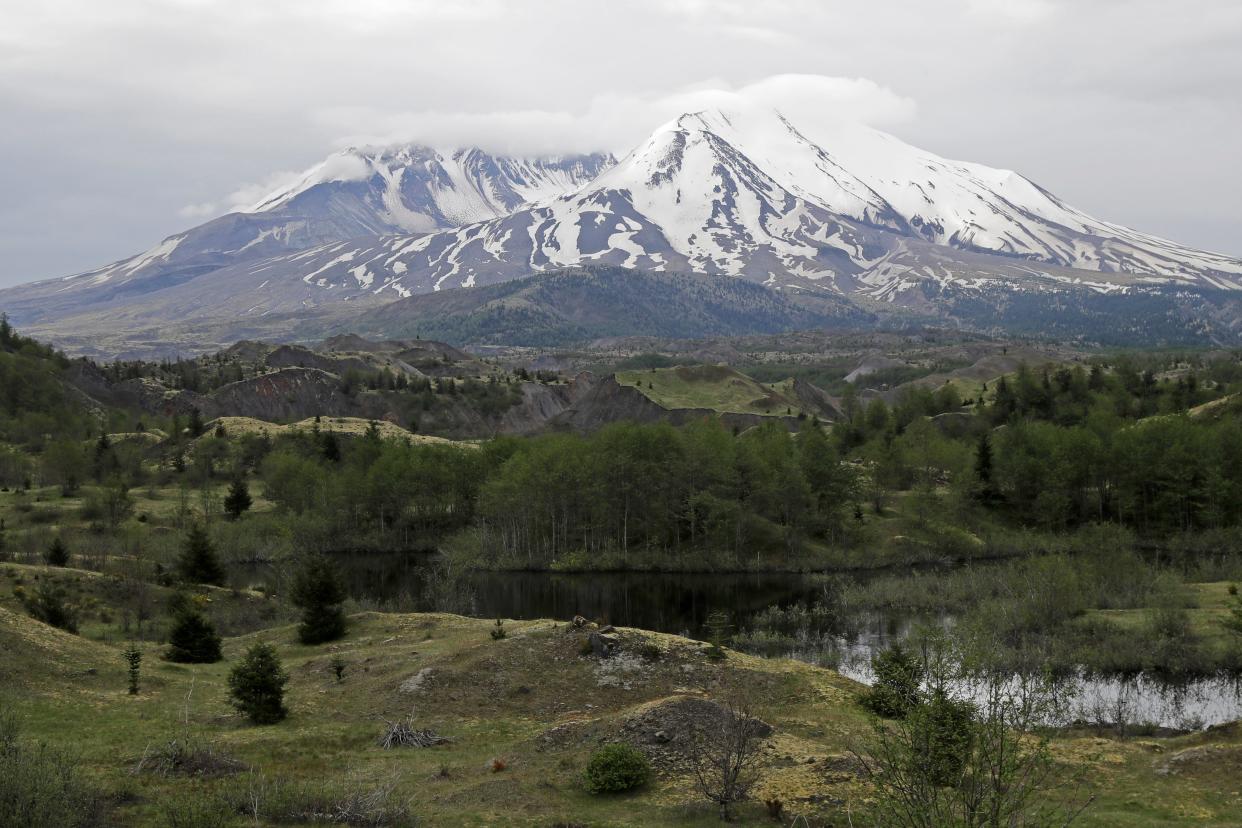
[202,210]
[1013,11]
[615,122]
[146,106]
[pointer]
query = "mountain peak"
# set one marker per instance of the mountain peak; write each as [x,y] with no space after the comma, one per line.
[842,209]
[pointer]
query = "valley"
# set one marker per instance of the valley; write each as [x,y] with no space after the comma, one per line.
[813,502]
[619,424]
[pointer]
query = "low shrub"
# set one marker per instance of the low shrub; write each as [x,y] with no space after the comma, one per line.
[187,756]
[282,801]
[616,768]
[49,604]
[40,785]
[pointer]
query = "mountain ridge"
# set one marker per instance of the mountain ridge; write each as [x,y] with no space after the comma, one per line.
[745,196]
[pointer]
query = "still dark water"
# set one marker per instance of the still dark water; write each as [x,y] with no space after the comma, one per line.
[679,603]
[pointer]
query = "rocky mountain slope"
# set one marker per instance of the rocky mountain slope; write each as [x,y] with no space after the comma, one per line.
[354,193]
[587,303]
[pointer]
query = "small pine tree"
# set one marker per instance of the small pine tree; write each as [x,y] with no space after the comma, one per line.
[498,631]
[898,679]
[717,626]
[193,640]
[133,662]
[317,591]
[257,685]
[238,499]
[198,563]
[57,554]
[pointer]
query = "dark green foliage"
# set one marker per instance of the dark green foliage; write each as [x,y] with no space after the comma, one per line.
[943,730]
[616,768]
[41,786]
[986,488]
[57,553]
[49,604]
[318,592]
[898,677]
[198,563]
[133,663]
[238,499]
[196,426]
[257,685]
[193,640]
[498,631]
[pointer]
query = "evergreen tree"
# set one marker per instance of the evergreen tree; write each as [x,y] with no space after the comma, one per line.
[1004,404]
[317,591]
[257,685]
[983,469]
[198,563]
[196,423]
[57,554]
[238,499]
[105,460]
[193,640]
[330,446]
[133,663]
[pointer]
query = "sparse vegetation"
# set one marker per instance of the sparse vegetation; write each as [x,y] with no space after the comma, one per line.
[725,755]
[41,785]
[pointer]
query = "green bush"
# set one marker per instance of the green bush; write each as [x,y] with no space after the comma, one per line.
[50,605]
[616,768]
[257,685]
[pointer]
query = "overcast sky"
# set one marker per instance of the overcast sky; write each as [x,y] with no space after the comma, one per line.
[124,121]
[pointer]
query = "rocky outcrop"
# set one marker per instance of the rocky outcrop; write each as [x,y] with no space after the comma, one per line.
[286,394]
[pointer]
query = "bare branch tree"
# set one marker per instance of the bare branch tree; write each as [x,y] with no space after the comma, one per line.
[723,755]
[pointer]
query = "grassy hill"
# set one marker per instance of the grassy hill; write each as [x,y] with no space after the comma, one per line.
[531,701]
[715,387]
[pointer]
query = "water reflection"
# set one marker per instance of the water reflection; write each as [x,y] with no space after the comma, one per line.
[808,624]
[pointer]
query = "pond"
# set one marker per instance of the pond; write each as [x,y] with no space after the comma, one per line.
[680,602]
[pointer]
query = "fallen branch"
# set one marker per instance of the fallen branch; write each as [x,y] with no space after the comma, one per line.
[404,734]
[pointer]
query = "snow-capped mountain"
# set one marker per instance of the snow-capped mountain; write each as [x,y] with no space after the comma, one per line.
[353,193]
[753,197]
[857,213]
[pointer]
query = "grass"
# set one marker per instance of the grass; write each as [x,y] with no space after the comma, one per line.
[713,387]
[236,426]
[530,700]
